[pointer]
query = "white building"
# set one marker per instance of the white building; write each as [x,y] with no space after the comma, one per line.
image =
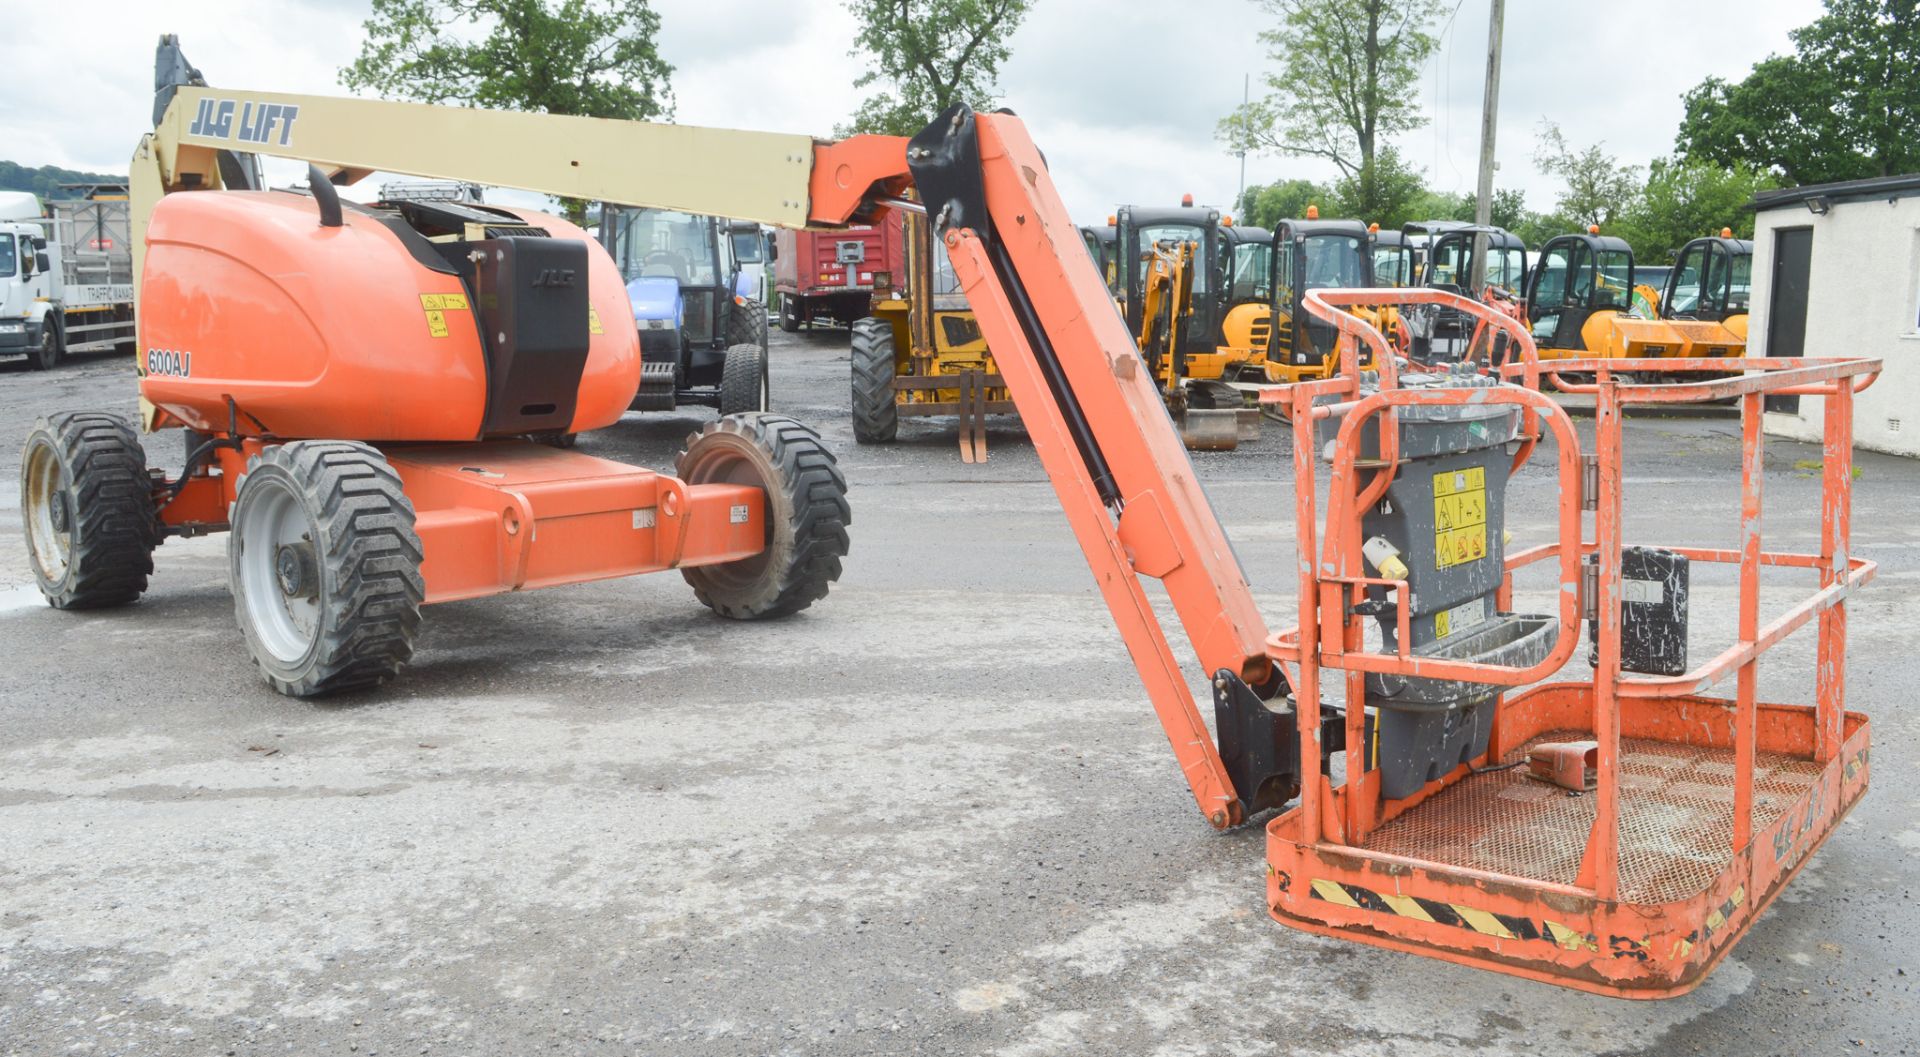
[1836,272]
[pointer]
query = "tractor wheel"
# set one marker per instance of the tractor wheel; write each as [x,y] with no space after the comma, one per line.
[746,324]
[789,315]
[876,418]
[743,380]
[807,514]
[88,508]
[47,355]
[325,567]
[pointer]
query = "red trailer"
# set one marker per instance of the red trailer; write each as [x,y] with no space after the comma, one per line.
[829,276]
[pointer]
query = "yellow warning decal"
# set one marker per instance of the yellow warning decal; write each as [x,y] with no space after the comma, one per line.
[593,321]
[1459,516]
[436,306]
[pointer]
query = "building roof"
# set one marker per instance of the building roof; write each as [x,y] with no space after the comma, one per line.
[1879,187]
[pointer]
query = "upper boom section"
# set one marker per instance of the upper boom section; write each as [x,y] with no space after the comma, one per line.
[761,176]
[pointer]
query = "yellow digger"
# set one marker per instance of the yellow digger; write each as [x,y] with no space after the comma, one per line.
[1584,299]
[921,352]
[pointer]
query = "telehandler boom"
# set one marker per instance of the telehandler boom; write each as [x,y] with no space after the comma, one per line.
[1416,839]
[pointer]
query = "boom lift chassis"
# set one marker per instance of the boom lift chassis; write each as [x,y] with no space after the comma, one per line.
[1135,506]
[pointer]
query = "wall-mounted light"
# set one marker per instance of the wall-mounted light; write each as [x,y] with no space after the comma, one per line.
[1819,204]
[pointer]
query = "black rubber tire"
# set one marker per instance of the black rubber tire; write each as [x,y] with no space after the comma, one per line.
[746,324]
[876,417]
[743,381]
[99,474]
[366,560]
[807,514]
[51,350]
[789,317]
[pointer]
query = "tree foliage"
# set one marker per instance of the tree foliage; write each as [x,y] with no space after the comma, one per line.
[928,55]
[1345,83]
[1844,106]
[1595,187]
[1687,200]
[1264,205]
[592,58]
[45,180]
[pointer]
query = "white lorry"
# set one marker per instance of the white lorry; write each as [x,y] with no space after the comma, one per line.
[66,279]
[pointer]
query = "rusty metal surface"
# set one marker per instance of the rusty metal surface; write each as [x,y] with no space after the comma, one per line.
[1676,818]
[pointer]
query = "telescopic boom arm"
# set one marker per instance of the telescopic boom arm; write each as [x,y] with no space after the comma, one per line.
[1096,418]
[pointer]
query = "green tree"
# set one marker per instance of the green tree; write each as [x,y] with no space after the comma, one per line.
[1596,188]
[1345,84]
[927,55]
[45,181]
[1686,200]
[1844,106]
[1386,192]
[1264,205]
[590,58]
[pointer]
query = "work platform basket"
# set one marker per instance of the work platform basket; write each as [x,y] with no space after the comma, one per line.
[1704,807]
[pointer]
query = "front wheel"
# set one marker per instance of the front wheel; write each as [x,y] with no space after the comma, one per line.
[743,380]
[806,514]
[325,567]
[46,355]
[88,509]
[876,416]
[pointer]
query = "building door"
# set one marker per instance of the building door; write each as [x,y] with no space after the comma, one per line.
[1787,305]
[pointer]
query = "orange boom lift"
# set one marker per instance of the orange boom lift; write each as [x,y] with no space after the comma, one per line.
[1396,834]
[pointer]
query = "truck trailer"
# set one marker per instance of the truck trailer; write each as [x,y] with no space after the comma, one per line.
[66,277]
[829,276]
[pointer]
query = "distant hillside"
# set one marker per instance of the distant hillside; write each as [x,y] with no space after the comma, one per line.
[46,180]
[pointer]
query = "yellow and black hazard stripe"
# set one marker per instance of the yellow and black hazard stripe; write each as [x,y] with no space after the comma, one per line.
[1853,766]
[1457,915]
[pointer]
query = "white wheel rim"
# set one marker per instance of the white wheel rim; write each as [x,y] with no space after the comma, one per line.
[273,518]
[51,546]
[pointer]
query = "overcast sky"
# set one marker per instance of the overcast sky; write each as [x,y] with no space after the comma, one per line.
[1123,105]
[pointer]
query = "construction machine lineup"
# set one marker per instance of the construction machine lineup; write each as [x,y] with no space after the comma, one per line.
[1439,757]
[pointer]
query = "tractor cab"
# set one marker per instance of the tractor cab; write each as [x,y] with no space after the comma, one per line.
[1099,242]
[687,289]
[1712,280]
[1579,279]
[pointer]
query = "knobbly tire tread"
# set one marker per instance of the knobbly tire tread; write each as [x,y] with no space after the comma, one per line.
[876,417]
[807,511]
[370,566]
[742,375]
[746,324]
[114,527]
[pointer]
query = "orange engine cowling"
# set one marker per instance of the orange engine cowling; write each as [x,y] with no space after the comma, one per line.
[369,330]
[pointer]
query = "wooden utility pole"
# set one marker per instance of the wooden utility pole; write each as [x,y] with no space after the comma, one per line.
[1489,121]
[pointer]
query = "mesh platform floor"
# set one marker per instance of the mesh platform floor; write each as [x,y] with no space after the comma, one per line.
[1676,818]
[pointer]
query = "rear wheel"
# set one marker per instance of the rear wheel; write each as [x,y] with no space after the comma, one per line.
[88,509]
[806,514]
[46,356]
[743,380]
[325,567]
[789,314]
[876,418]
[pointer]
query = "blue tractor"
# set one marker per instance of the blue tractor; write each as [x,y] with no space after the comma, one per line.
[703,340]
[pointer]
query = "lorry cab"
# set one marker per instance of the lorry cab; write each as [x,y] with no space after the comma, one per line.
[1580,279]
[66,278]
[26,263]
[748,245]
[683,279]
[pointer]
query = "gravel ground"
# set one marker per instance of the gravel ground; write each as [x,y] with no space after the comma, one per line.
[933,814]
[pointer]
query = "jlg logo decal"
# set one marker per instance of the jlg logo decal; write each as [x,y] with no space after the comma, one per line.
[262,123]
[170,363]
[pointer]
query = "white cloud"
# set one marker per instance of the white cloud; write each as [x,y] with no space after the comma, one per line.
[1122,95]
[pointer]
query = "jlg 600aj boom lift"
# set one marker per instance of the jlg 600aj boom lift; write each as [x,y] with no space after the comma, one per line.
[246,282]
